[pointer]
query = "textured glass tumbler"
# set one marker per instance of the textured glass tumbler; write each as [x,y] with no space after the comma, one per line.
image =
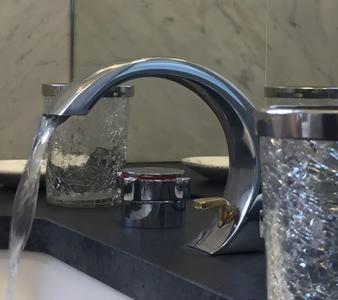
[300,188]
[86,152]
[299,167]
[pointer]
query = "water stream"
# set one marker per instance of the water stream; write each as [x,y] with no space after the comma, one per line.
[24,204]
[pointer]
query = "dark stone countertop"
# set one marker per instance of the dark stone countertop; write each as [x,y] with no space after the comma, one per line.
[143,264]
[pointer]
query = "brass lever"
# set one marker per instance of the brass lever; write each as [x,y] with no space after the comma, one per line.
[226,212]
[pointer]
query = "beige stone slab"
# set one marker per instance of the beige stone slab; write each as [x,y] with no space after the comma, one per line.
[167,122]
[34,48]
[303,43]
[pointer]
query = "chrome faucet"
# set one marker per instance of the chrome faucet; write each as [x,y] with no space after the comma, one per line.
[235,113]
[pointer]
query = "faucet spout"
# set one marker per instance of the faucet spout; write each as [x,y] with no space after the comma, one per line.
[233,110]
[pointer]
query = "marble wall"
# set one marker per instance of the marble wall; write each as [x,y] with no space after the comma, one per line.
[34,48]
[166,121]
[303,43]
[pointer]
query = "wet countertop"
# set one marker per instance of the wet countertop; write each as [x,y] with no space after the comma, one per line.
[143,264]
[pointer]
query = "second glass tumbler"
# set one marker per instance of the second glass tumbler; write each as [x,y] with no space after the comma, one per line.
[86,152]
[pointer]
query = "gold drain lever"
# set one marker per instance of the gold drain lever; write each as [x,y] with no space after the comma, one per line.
[226,212]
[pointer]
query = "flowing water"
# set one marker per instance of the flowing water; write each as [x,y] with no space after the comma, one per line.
[24,204]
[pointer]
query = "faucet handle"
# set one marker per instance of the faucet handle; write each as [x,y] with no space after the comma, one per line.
[226,212]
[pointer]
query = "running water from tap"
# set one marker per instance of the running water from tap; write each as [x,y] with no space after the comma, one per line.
[24,204]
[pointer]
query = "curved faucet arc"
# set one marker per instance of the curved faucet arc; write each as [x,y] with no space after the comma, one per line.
[232,108]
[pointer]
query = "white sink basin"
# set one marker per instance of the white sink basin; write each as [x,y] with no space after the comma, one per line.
[43,277]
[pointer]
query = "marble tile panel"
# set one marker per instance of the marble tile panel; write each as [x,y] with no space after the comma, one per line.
[34,48]
[167,122]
